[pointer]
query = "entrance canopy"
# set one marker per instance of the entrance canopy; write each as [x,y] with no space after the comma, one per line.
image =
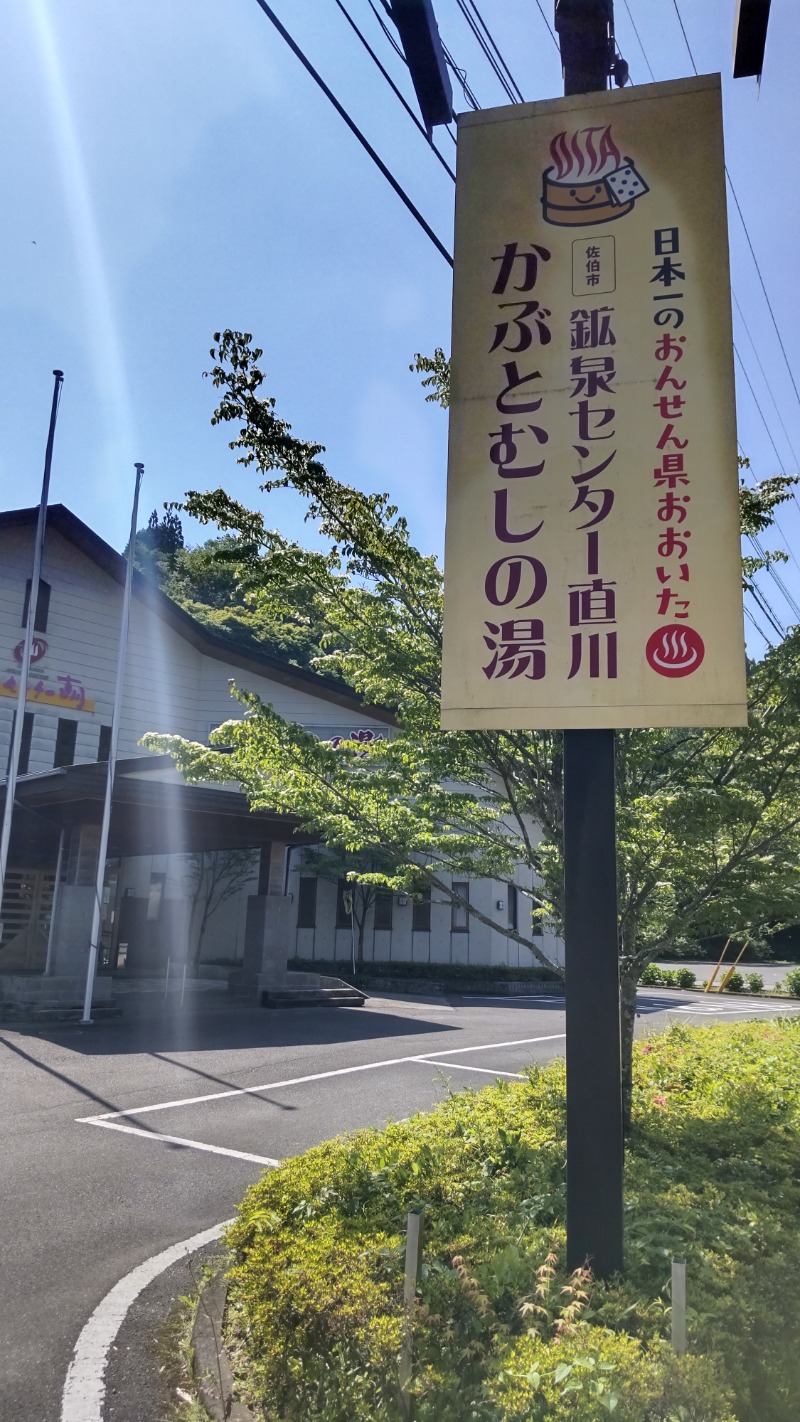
[152,812]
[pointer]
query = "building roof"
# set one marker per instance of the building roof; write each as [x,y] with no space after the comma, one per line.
[208,641]
[151,813]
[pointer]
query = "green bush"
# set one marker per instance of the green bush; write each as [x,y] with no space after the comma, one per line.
[791,982]
[437,972]
[653,976]
[755,982]
[735,982]
[501,1331]
[592,1373]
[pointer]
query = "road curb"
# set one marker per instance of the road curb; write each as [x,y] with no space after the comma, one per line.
[83,1398]
[212,1367]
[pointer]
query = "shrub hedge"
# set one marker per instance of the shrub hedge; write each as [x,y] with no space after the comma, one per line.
[653,976]
[501,1332]
[439,972]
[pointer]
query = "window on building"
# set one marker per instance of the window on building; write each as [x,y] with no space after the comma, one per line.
[66,736]
[42,605]
[421,913]
[104,744]
[513,907]
[155,896]
[459,914]
[25,743]
[383,908]
[307,902]
[537,920]
[343,913]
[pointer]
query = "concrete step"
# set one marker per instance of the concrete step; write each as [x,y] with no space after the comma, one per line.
[313,997]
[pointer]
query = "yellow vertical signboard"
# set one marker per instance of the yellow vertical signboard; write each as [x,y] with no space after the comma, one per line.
[592,563]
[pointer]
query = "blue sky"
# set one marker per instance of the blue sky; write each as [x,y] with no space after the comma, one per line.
[169,169]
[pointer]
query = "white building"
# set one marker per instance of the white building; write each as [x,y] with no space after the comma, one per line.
[177,681]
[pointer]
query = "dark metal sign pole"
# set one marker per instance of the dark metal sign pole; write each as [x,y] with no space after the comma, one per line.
[591,925]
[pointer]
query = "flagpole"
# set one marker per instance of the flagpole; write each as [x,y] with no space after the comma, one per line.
[112,757]
[19,717]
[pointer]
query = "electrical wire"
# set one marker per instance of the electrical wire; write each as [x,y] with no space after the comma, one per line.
[490,37]
[461,76]
[764,420]
[772,617]
[549,27]
[763,287]
[353,126]
[641,46]
[748,614]
[685,36]
[390,81]
[792,449]
[746,231]
[486,51]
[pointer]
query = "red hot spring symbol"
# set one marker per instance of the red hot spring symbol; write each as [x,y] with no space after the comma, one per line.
[675,650]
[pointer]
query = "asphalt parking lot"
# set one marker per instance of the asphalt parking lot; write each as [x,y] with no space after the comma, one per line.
[122,1138]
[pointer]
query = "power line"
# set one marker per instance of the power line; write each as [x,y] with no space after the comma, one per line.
[353,126]
[764,420]
[685,37]
[767,611]
[746,231]
[748,614]
[490,37]
[390,81]
[763,287]
[792,450]
[497,70]
[549,27]
[461,76]
[641,46]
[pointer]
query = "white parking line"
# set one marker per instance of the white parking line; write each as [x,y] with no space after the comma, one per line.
[84,1390]
[178,1140]
[302,1080]
[461,1066]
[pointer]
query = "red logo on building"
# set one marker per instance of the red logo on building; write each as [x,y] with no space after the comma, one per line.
[38,650]
[675,650]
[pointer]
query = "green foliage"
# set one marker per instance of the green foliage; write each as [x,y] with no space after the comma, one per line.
[501,1332]
[437,972]
[653,976]
[735,982]
[708,823]
[755,982]
[791,982]
[436,369]
[592,1374]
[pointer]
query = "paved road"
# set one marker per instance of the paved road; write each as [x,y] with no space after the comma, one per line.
[88,1193]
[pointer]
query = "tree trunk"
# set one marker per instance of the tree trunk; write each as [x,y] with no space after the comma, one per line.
[627,993]
[628,979]
[361,927]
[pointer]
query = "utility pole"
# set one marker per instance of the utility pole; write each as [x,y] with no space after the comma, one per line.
[591,923]
[594,1073]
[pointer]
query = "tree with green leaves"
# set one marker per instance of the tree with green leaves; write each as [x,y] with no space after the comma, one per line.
[213,877]
[708,819]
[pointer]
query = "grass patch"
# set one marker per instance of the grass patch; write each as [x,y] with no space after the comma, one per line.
[501,1332]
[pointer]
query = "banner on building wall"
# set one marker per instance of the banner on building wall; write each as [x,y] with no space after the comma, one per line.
[592,561]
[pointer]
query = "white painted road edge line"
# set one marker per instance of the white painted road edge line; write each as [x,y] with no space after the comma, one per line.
[84,1389]
[179,1141]
[301,1080]
[462,1066]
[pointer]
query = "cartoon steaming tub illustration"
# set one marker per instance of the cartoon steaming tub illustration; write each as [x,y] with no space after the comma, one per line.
[589,181]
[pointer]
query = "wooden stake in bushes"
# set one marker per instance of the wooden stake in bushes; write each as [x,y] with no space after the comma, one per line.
[709,985]
[679,1305]
[731,971]
[413,1252]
